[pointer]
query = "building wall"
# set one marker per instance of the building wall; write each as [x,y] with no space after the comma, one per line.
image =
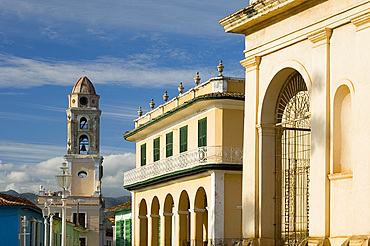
[327,43]
[10,221]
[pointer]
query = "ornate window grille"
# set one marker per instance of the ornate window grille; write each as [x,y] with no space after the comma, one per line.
[293,147]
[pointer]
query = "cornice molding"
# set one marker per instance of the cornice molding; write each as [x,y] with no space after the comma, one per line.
[361,21]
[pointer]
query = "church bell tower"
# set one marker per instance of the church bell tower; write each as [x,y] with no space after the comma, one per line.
[84,161]
[83,131]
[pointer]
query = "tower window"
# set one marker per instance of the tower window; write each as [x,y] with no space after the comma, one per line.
[83,101]
[84,145]
[83,123]
[82,174]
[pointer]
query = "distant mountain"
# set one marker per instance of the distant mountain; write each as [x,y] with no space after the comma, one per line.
[109,201]
[29,196]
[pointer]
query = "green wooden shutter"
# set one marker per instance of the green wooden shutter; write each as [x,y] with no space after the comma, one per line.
[202,132]
[119,234]
[169,144]
[183,139]
[128,232]
[156,149]
[143,154]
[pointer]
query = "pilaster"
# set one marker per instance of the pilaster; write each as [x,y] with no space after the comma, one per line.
[250,211]
[320,137]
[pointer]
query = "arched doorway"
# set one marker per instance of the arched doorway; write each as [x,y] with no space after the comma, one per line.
[292,161]
[155,222]
[201,217]
[143,223]
[168,221]
[184,218]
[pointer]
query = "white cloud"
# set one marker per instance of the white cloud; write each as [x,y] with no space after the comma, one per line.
[28,153]
[114,167]
[160,15]
[137,72]
[29,177]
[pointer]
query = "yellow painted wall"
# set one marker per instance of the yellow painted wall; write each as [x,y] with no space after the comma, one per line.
[233,127]
[235,87]
[214,135]
[233,199]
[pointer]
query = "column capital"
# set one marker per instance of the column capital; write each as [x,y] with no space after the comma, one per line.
[142,217]
[320,37]
[197,210]
[266,129]
[251,63]
[361,21]
[167,214]
[154,215]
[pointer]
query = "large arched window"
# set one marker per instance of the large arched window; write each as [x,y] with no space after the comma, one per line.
[293,147]
[84,145]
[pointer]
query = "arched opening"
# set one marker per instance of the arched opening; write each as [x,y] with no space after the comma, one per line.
[155,222]
[84,145]
[168,221]
[184,217]
[342,130]
[292,161]
[143,223]
[83,123]
[201,217]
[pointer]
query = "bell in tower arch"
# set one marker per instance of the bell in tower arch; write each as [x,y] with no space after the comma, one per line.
[84,145]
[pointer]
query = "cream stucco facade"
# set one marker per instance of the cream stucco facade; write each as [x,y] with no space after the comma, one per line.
[186,187]
[321,47]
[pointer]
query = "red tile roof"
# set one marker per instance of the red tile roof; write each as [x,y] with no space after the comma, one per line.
[118,207]
[8,200]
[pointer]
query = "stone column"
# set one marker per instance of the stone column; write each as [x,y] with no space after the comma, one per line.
[320,137]
[216,205]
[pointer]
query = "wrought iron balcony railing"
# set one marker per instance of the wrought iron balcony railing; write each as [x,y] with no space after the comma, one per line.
[185,160]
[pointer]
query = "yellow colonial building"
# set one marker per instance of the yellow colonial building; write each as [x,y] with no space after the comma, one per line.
[187,184]
[306,172]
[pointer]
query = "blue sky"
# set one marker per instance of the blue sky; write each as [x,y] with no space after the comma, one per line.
[132,51]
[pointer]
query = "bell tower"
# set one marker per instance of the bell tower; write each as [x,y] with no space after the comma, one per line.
[84,161]
[83,131]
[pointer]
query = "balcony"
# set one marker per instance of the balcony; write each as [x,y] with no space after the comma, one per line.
[203,156]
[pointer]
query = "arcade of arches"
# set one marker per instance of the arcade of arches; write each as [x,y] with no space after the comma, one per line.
[182,221]
[191,212]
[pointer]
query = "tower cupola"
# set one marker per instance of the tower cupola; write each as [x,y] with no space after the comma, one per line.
[83,94]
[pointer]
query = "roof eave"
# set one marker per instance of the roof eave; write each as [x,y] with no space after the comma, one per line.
[257,12]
